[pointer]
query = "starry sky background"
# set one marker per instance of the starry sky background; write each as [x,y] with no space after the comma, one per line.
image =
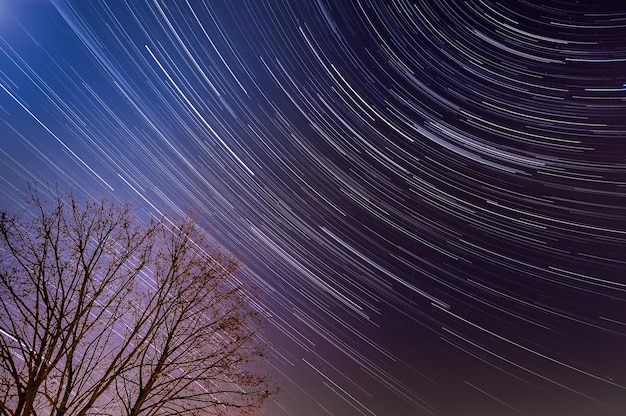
[431,193]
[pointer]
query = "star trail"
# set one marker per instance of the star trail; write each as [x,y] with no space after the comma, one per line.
[431,194]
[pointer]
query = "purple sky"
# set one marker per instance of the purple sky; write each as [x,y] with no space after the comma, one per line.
[431,193]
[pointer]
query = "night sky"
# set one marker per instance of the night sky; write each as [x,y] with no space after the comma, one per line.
[431,193]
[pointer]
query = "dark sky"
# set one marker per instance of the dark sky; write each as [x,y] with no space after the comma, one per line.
[431,193]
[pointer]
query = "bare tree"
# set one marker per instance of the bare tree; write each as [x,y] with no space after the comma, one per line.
[103,314]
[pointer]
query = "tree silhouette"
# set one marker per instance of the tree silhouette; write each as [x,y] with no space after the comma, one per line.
[101,313]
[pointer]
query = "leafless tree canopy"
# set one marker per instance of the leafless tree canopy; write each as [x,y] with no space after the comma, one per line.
[103,314]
